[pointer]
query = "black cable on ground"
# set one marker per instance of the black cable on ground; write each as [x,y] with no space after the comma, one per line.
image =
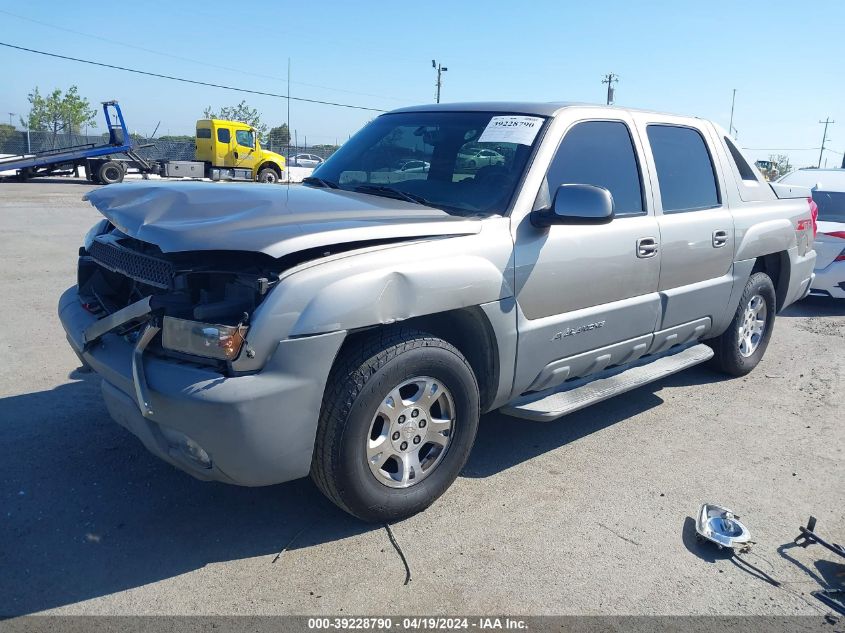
[399,551]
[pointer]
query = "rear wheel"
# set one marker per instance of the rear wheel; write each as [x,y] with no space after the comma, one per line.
[741,347]
[110,172]
[268,174]
[398,421]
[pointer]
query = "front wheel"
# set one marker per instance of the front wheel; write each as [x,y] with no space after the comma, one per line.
[741,347]
[398,421]
[268,175]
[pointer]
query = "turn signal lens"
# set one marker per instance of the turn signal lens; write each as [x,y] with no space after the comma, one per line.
[223,342]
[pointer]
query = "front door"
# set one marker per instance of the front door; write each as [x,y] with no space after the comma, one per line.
[588,293]
[244,149]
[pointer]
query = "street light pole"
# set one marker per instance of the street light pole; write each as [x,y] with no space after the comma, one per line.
[440,70]
[731,124]
[11,114]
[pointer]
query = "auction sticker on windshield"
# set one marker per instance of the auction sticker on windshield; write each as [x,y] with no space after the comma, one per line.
[511,129]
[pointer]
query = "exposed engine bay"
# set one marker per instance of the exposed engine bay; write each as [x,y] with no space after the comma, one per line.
[218,286]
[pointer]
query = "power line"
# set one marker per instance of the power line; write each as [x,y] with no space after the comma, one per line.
[190,81]
[194,61]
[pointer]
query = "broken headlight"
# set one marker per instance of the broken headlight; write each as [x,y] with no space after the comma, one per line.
[223,342]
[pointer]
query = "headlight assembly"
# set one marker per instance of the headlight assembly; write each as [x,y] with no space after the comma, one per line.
[223,342]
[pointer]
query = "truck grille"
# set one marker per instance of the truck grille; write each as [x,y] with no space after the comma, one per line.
[144,268]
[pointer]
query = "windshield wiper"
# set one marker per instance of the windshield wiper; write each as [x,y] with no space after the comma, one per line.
[392,192]
[313,180]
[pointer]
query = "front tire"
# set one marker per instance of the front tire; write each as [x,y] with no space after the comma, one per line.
[397,424]
[741,347]
[268,175]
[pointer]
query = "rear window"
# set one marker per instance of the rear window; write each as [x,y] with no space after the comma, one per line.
[831,205]
[684,168]
[745,170]
[203,132]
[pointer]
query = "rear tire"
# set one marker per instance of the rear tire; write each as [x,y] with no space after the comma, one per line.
[268,175]
[741,347]
[110,172]
[359,460]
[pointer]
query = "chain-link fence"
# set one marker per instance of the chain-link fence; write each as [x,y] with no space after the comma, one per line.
[23,142]
[289,151]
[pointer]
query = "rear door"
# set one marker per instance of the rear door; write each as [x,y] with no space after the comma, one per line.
[696,228]
[588,293]
[224,147]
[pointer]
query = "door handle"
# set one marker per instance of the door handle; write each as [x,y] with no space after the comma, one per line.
[646,247]
[235,153]
[720,238]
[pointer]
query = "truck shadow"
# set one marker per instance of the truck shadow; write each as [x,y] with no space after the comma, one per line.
[505,441]
[816,307]
[88,512]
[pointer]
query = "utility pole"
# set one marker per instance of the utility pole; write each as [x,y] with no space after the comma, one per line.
[440,70]
[610,79]
[826,122]
[731,125]
[288,121]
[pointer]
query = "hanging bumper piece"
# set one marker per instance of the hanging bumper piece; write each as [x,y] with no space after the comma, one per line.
[140,312]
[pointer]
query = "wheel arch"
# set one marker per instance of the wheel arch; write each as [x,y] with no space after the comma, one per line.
[776,266]
[469,330]
[272,165]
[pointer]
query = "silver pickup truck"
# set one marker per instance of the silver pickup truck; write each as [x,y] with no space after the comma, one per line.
[447,261]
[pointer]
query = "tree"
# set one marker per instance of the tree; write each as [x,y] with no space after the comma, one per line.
[780,165]
[279,135]
[59,113]
[241,112]
[7,135]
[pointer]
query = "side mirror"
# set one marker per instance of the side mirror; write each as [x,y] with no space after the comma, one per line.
[576,204]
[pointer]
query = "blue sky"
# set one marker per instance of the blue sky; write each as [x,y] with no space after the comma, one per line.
[784,59]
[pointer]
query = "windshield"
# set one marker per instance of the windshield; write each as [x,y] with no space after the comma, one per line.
[466,163]
[831,205]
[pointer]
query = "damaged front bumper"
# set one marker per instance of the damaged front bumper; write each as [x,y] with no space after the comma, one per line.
[250,430]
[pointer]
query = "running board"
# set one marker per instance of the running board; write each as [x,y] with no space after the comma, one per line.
[549,405]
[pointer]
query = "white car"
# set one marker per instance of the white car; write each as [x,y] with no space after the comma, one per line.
[306,160]
[828,187]
[474,158]
[414,166]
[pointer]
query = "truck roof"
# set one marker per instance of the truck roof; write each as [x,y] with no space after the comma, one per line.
[518,107]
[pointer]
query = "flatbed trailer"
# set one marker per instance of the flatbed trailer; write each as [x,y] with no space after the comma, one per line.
[101,165]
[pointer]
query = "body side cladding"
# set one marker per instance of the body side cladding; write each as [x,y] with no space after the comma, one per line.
[765,238]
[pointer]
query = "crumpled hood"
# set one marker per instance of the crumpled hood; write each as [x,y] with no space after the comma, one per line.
[271,219]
